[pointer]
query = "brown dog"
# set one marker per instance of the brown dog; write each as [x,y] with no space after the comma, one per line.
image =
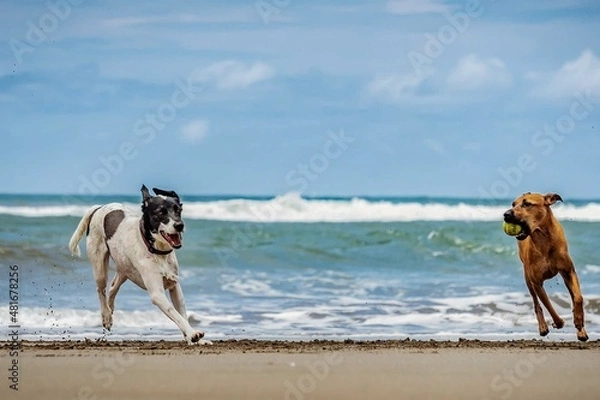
[544,253]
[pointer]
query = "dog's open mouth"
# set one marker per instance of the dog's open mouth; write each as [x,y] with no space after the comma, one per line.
[174,239]
[525,231]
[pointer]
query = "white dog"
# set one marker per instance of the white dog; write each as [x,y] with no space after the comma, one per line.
[142,250]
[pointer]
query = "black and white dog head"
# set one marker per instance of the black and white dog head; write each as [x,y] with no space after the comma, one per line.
[162,217]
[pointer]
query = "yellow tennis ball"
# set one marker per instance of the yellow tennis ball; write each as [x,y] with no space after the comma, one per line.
[511,229]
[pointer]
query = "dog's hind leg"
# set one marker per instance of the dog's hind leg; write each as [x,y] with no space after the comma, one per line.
[117,281]
[98,256]
[572,283]
[539,313]
[557,321]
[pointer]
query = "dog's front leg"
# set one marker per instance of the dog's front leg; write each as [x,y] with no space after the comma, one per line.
[557,321]
[539,313]
[154,285]
[176,295]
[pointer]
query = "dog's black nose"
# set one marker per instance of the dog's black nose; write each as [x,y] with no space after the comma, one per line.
[179,226]
[508,214]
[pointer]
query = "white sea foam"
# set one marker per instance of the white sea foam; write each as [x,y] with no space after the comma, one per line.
[481,315]
[591,269]
[250,287]
[292,207]
[44,211]
[67,319]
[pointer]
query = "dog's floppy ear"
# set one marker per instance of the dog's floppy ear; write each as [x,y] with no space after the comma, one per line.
[168,193]
[145,196]
[552,198]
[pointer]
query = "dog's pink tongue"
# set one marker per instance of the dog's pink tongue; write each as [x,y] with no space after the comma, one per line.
[175,239]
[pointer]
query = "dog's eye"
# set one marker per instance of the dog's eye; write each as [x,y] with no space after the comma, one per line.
[526,203]
[163,210]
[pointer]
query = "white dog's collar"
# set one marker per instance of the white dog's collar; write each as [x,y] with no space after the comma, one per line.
[149,245]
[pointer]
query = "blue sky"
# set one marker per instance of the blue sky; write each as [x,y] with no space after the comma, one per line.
[401,97]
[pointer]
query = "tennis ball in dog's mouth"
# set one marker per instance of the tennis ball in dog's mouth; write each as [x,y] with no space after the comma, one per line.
[511,229]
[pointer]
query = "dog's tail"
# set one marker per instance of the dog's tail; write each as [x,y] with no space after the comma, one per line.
[82,228]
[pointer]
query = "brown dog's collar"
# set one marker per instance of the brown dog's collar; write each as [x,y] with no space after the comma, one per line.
[149,245]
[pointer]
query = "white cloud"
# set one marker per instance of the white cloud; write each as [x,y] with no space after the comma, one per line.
[473,72]
[195,131]
[233,74]
[406,7]
[578,76]
[129,21]
[433,88]
[396,87]
[435,145]
[473,147]
[206,17]
[554,5]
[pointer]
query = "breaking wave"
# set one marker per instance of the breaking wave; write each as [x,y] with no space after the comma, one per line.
[292,207]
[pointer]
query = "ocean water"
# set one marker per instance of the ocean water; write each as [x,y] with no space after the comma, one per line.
[296,268]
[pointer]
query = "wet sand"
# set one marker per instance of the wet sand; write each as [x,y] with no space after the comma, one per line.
[248,369]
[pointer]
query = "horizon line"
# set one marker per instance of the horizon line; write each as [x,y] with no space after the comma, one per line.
[320,196]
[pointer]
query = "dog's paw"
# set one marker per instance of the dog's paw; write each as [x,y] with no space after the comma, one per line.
[544,331]
[205,342]
[195,338]
[107,322]
[582,335]
[558,324]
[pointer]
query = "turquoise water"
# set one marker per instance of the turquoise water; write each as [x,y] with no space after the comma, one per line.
[296,268]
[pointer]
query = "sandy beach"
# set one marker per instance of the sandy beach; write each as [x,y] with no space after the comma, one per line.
[246,369]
